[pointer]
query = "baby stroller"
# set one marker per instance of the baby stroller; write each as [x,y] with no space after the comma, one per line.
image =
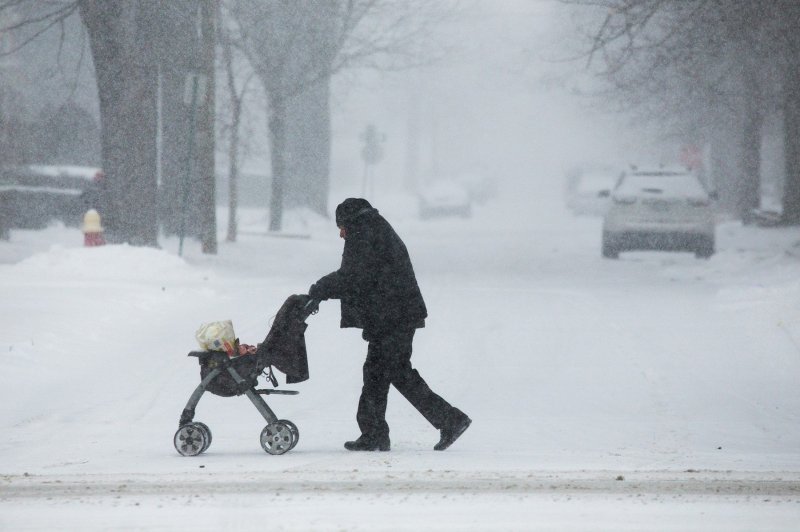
[227,376]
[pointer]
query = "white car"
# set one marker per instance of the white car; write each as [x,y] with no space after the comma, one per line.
[659,209]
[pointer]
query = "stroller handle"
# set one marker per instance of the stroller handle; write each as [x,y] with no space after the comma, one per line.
[311,306]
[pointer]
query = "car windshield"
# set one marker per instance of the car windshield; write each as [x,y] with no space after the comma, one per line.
[664,184]
[595,182]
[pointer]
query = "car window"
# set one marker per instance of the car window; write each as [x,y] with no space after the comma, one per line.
[661,184]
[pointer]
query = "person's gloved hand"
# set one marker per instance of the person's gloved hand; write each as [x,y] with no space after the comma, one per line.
[315,292]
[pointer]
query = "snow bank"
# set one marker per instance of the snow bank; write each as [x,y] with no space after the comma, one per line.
[107,263]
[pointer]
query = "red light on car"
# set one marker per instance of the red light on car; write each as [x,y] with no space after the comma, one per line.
[99,176]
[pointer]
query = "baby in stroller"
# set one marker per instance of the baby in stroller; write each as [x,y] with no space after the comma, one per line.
[228,368]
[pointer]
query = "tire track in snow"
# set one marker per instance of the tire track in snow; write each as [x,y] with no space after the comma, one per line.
[655,483]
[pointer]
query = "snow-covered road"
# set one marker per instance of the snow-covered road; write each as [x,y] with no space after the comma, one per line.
[633,483]
[656,392]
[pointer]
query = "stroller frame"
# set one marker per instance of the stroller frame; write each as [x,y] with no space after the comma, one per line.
[193,438]
[283,348]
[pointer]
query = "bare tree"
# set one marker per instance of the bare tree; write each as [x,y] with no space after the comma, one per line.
[42,33]
[176,33]
[703,67]
[236,91]
[295,48]
[785,45]
[126,74]
[282,42]
[128,45]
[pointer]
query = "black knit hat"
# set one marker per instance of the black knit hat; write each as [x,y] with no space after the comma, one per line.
[350,209]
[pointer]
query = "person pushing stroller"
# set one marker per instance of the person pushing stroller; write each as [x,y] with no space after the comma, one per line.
[380,295]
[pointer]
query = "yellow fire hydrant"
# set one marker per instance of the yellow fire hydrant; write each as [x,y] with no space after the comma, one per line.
[92,230]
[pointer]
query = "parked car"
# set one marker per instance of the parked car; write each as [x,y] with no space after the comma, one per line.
[33,195]
[444,198]
[659,209]
[590,192]
[481,189]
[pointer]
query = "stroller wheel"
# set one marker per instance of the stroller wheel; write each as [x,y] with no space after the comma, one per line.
[204,428]
[295,432]
[191,440]
[277,438]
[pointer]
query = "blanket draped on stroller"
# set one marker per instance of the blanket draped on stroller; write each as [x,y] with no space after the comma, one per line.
[285,344]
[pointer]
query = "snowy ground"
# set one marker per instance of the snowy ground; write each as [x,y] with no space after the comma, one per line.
[657,392]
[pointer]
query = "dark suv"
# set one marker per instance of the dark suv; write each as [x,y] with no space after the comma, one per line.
[33,195]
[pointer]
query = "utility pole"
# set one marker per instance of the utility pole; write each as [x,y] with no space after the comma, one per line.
[371,153]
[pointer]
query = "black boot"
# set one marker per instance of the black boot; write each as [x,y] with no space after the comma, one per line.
[452,431]
[365,443]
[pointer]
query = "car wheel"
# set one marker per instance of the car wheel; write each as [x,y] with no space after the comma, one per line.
[705,249]
[610,251]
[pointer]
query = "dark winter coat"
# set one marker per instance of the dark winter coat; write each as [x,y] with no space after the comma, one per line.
[376,282]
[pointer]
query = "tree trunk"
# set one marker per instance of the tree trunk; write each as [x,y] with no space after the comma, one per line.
[178,50]
[174,138]
[206,166]
[749,197]
[721,159]
[748,191]
[309,138]
[233,150]
[791,110]
[236,101]
[126,83]
[277,140]
[233,171]
[735,157]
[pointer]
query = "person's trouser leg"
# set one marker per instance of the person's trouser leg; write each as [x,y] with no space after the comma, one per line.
[413,387]
[371,415]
